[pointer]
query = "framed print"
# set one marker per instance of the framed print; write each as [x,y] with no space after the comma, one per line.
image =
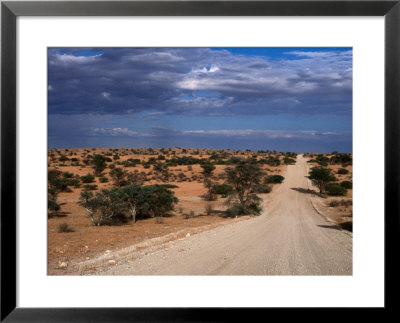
[194,152]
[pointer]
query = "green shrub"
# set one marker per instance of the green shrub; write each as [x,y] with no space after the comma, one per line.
[67,175]
[239,209]
[90,187]
[333,203]
[223,189]
[63,158]
[347,184]
[320,177]
[275,179]
[289,161]
[335,189]
[262,188]
[103,179]
[343,171]
[52,205]
[170,185]
[87,179]
[73,182]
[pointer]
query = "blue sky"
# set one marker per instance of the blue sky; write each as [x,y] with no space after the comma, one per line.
[285,99]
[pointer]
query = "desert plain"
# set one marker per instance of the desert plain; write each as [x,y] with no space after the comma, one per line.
[298,231]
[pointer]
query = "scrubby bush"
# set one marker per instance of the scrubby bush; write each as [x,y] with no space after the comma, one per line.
[289,161]
[63,158]
[252,208]
[272,161]
[106,207]
[210,195]
[52,205]
[119,176]
[208,169]
[75,182]
[64,227]
[333,203]
[344,159]
[320,177]
[335,189]
[87,178]
[275,179]
[103,179]
[156,200]
[223,189]
[67,175]
[90,187]
[347,184]
[243,178]
[208,209]
[99,164]
[189,215]
[262,188]
[343,171]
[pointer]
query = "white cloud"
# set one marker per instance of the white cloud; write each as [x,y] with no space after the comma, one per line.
[319,54]
[155,58]
[125,132]
[68,58]
[261,133]
[207,69]
[106,95]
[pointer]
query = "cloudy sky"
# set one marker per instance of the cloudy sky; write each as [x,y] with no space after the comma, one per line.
[285,99]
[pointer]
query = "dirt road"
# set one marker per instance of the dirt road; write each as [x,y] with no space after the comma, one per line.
[289,238]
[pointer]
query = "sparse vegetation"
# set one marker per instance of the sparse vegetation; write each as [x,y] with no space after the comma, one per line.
[119,176]
[210,194]
[64,227]
[145,197]
[208,169]
[244,178]
[320,177]
[99,164]
[87,178]
[347,184]
[223,189]
[274,179]
[335,189]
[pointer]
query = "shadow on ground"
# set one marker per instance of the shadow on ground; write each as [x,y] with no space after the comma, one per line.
[304,191]
[348,226]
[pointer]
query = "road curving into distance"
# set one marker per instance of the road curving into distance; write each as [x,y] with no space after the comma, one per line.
[288,238]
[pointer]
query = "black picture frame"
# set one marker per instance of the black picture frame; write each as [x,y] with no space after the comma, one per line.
[10,10]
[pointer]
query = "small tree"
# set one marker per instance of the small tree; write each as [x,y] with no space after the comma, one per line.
[104,207]
[55,184]
[135,178]
[244,178]
[99,164]
[320,177]
[156,200]
[52,205]
[119,176]
[130,195]
[210,186]
[208,169]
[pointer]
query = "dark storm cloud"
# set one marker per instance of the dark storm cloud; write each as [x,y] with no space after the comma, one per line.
[197,82]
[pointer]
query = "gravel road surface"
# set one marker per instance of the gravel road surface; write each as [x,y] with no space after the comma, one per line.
[288,238]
